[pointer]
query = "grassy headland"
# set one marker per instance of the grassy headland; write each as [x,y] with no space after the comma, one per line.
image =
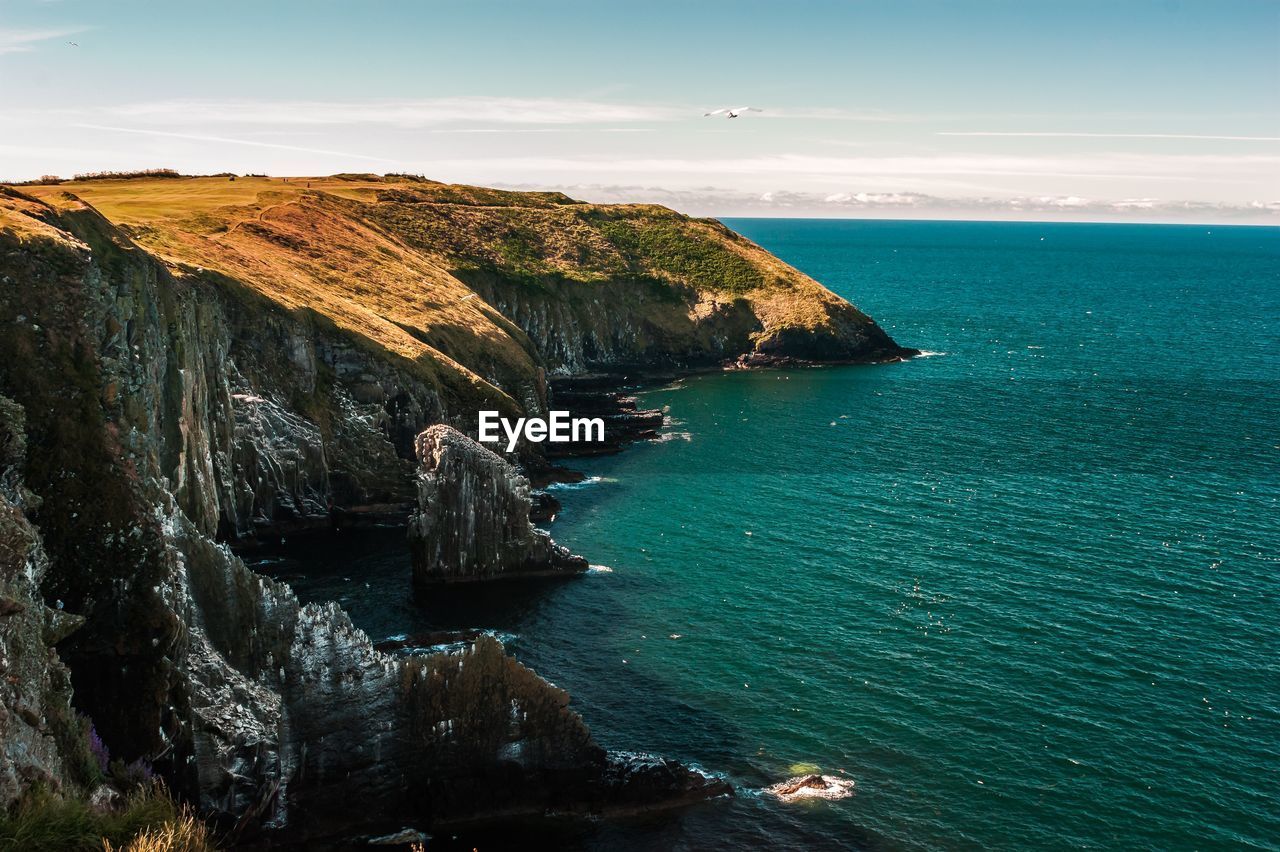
[397,261]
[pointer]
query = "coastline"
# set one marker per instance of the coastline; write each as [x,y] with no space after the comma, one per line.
[201,388]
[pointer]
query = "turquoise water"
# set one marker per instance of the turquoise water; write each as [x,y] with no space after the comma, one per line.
[1024,592]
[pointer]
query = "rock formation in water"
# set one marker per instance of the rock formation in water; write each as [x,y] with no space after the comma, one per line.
[255,357]
[472,521]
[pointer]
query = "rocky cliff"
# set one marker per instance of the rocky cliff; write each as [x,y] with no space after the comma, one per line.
[209,360]
[38,730]
[472,521]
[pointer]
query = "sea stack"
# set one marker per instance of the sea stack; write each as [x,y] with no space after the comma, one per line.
[472,521]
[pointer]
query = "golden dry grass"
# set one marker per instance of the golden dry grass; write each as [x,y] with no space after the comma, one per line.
[138,200]
[183,834]
[298,248]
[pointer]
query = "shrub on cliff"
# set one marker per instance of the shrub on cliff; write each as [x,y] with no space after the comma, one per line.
[671,248]
[84,754]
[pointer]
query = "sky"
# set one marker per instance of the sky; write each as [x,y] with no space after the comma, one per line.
[1131,110]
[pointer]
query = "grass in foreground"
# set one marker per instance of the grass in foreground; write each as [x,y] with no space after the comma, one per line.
[148,821]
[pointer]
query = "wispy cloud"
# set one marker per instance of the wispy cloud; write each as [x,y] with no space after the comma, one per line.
[432,111]
[223,140]
[395,113]
[24,41]
[1056,134]
[829,114]
[514,129]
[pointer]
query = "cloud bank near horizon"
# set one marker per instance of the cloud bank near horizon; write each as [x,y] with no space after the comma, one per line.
[712,201]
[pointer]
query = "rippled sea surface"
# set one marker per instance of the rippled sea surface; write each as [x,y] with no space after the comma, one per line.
[1023,592]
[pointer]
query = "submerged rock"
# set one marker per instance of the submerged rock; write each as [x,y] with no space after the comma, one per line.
[646,781]
[473,513]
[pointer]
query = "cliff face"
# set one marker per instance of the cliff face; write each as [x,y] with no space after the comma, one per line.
[145,435]
[472,521]
[221,358]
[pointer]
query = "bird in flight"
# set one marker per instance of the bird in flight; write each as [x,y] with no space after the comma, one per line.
[73,44]
[732,113]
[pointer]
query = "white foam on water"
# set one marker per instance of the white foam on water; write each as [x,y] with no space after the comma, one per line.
[599,569]
[574,486]
[929,353]
[455,647]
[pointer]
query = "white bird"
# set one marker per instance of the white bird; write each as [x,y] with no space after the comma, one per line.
[732,113]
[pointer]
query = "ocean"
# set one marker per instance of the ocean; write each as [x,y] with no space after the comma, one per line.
[1022,591]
